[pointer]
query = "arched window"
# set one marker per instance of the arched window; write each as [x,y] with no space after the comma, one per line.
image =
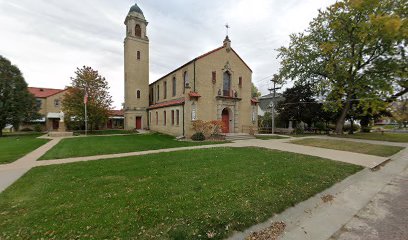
[164,118]
[138,94]
[138,31]
[186,82]
[165,89]
[138,55]
[174,86]
[227,84]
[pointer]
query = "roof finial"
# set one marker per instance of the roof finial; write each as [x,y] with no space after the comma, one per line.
[227,26]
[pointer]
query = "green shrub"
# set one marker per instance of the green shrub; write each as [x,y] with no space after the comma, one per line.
[26,129]
[366,129]
[347,127]
[332,127]
[299,129]
[321,126]
[38,128]
[199,136]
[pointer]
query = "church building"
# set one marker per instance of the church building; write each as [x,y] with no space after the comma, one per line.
[214,86]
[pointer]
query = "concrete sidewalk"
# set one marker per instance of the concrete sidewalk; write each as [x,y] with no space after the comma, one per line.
[311,219]
[316,220]
[364,160]
[9,173]
[375,142]
[282,145]
[385,217]
[120,155]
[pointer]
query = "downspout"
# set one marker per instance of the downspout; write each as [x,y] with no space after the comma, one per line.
[184,131]
[194,89]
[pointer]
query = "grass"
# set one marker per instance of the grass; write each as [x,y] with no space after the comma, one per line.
[14,147]
[304,135]
[176,195]
[91,146]
[365,148]
[106,132]
[266,137]
[389,137]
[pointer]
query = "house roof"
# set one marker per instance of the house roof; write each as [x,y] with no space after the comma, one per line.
[175,102]
[254,101]
[200,57]
[117,113]
[44,92]
[265,101]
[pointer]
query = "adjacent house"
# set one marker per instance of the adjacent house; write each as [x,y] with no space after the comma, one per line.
[49,104]
[116,119]
[266,101]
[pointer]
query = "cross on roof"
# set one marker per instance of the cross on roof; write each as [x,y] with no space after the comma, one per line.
[227,26]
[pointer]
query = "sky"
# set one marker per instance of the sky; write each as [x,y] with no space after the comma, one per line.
[49,39]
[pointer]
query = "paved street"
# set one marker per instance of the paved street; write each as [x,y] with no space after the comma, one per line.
[385,217]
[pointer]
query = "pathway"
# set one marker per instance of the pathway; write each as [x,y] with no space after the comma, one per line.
[364,160]
[9,173]
[282,145]
[311,219]
[385,217]
[316,220]
[398,144]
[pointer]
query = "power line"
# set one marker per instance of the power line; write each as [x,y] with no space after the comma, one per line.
[322,102]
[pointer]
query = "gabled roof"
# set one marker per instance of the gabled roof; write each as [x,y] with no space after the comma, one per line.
[200,57]
[44,92]
[175,102]
[254,101]
[265,101]
[117,113]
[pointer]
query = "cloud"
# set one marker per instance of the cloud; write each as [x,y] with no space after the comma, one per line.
[49,39]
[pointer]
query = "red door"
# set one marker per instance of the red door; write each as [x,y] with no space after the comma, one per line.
[225,120]
[55,124]
[138,122]
[110,124]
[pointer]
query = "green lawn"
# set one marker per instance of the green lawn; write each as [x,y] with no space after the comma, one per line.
[176,195]
[266,137]
[305,135]
[106,132]
[365,148]
[390,137]
[90,146]
[15,147]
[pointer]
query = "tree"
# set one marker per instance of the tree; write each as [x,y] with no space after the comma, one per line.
[300,105]
[399,112]
[99,101]
[354,50]
[255,92]
[17,104]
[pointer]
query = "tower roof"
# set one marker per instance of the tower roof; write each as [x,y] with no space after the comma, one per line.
[136,9]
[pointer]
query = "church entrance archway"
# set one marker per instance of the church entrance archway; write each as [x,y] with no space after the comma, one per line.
[225,120]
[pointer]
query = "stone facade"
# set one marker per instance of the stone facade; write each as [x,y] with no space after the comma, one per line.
[213,86]
[136,71]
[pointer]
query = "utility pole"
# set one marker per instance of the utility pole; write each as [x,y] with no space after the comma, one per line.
[274,80]
[86,110]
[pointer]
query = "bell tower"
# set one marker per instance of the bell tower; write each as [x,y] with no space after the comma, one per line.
[136,70]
